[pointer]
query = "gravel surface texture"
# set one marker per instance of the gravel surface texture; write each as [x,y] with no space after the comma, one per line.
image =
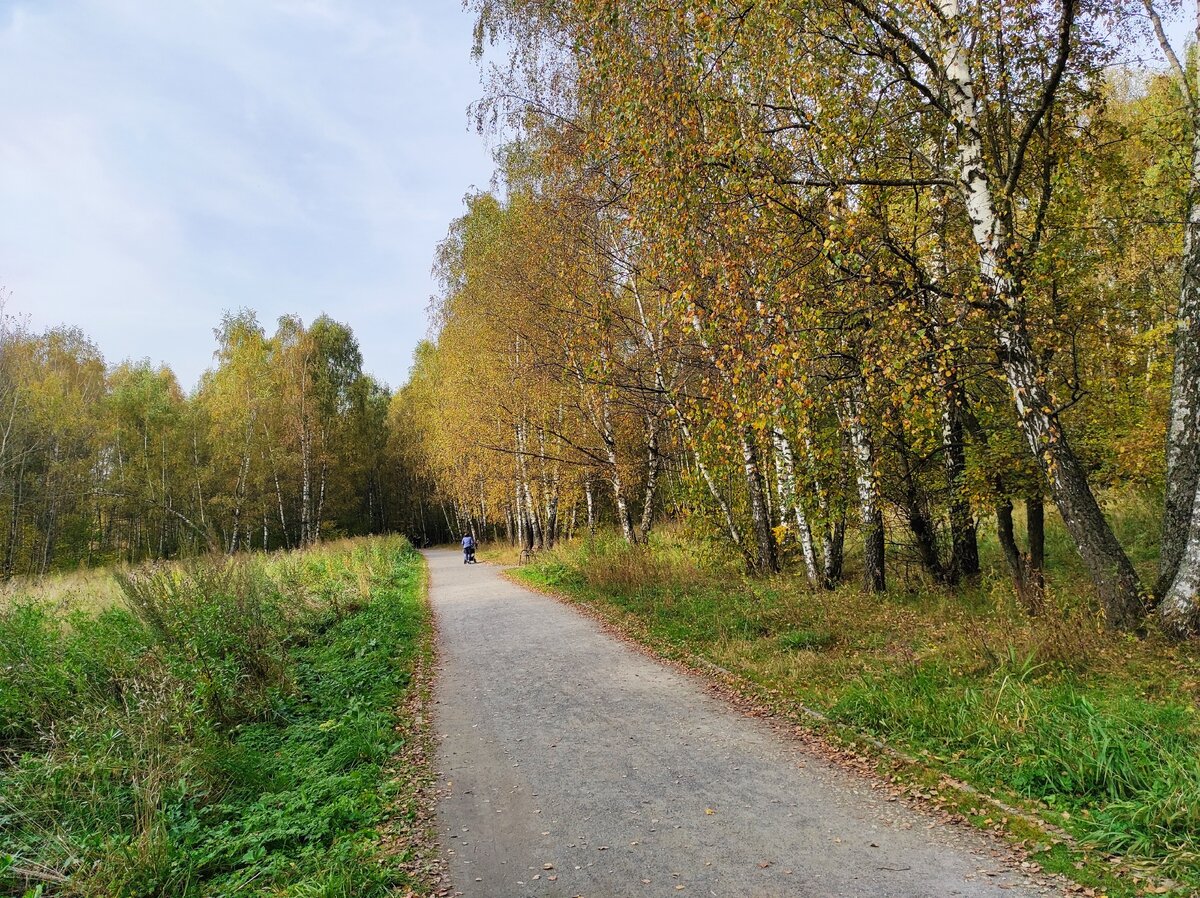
[572,765]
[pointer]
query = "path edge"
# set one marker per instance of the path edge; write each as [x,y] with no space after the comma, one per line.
[862,755]
[412,771]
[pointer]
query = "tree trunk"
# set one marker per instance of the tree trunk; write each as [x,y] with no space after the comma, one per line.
[652,463]
[1181,513]
[920,522]
[1026,584]
[305,489]
[549,491]
[1006,536]
[964,540]
[519,513]
[1180,609]
[1179,613]
[591,506]
[1111,572]
[766,560]
[869,511]
[608,436]
[785,463]
[552,521]
[833,532]
[1035,532]
[239,496]
[525,493]
[320,503]
[623,517]
[536,535]
[833,552]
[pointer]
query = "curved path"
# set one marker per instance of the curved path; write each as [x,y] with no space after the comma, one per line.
[572,765]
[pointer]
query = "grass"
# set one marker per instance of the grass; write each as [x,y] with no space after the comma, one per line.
[228,729]
[1097,732]
[91,590]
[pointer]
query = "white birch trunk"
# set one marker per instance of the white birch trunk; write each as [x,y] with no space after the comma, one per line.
[526,494]
[869,511]
[1179,613]
[1110,569]
[591,507]
[652,463]
[1183,430]
[785,464]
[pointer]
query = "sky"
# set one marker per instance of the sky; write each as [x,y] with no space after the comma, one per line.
[162,162]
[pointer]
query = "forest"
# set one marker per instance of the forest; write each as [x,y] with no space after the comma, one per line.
[284,442]
[834,286]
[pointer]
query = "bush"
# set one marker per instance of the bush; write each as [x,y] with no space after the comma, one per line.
[35,686]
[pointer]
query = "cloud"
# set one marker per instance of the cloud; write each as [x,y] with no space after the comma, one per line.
[164,162]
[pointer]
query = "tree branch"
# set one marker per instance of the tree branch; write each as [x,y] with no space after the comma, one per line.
[1172,60]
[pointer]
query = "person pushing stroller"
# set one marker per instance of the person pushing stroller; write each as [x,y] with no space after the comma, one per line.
[468,547]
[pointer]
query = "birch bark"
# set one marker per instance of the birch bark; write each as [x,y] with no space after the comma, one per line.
[1110,569]
[785,462]
[869,511]
[1179,557]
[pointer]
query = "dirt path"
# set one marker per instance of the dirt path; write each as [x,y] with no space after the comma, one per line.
[575,766]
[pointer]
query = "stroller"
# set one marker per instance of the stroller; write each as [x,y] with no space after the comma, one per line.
[469,554]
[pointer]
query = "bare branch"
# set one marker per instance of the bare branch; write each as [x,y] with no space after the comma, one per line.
[1031,126]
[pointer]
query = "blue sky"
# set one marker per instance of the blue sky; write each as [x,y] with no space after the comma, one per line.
[163,161]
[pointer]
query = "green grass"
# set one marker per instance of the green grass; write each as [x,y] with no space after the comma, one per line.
[1099,731]
[227,733]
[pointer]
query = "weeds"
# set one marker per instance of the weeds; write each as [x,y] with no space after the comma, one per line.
[223,733]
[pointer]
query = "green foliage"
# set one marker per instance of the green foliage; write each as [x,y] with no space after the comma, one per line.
[1128,767]
[224,734]
[281,444]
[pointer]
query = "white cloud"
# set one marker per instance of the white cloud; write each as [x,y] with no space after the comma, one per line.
[162,162]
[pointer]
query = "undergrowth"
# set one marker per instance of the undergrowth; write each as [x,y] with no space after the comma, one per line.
[223,733]
[1099,729]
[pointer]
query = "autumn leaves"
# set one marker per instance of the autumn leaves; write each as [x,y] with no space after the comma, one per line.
[798,265]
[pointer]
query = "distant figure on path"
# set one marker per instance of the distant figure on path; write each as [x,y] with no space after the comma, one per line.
[468,544]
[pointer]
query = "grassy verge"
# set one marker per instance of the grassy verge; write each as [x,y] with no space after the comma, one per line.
[1095,732]
[89,589]
[231,730]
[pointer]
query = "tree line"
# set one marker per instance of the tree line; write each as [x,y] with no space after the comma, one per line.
[817,274]
[284,442]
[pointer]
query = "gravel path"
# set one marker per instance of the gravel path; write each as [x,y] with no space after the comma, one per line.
[572,765]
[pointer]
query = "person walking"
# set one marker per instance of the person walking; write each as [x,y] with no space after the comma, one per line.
[468,547]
